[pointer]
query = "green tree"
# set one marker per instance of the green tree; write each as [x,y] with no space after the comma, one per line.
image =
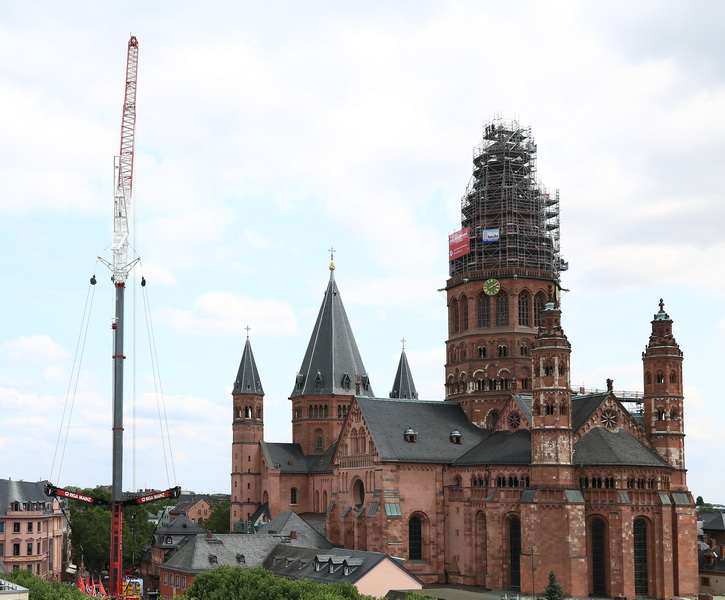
[234,583]
[553,590]
[218,521]
[40,589]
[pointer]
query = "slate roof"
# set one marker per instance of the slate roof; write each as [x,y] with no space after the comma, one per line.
[12,490]
[287,521]
[403,386]
[500,448]
[582,408]
[433,422]
[332,362]
[247,381]
[524,402]
[178,528]
[337,564]
[600,446]
[288,458]
[202,553]
[713,521]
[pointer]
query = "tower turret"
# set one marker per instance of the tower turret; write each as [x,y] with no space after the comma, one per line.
[552,440]
[332,371]
[247,433]
[502,262]
[663,397]
[403,386]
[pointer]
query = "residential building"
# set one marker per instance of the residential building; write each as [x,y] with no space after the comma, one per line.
[33,529]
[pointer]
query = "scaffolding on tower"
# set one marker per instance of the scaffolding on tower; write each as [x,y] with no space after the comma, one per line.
[512,218]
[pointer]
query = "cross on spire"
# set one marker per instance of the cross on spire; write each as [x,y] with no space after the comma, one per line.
[402,341]
[332,258]
[247,328]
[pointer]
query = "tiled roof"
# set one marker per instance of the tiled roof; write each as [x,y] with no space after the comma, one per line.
[288,521]
[501,448]
[582,408]
[432,421]
[332,362]
[247,381]
[713,521]
[600,446]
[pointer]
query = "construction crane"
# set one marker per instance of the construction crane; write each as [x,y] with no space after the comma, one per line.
[120,268]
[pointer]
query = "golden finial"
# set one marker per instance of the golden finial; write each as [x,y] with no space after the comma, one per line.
[332,259]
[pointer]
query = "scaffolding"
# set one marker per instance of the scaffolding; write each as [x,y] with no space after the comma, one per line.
[513,219]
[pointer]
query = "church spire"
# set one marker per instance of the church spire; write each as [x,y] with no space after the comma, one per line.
[332,363]
[403,386]
[247,381]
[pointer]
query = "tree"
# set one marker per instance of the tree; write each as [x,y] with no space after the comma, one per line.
[40,589]
[553,590]
[218,521]
[235,583]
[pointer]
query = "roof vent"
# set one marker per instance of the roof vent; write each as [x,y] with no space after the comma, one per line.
[456,436]
[410,435]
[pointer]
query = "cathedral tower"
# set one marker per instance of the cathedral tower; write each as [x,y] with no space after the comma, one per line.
[332,372]
[552,439]
[247,433]
[663,397]
[502,263]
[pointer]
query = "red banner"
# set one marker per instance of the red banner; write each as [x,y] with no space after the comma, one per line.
[459,243]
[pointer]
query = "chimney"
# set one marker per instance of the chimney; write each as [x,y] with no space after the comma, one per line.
[293,535]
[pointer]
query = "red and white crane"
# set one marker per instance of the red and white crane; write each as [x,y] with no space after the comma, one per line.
[120,268]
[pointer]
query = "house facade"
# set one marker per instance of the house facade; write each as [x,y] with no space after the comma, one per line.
[33,531]
[513,474]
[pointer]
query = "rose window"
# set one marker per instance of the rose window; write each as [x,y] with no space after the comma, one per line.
[609,418]
[515,420]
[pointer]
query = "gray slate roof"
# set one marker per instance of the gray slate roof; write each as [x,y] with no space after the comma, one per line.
[713,521]
[288,521]
[289,458]
[332,362]
[202,553]
[433,421]
[582,408]
[23,491]
[347,565]
[178,529]
[600,446]
[501,448]
[247,381]
[403,386]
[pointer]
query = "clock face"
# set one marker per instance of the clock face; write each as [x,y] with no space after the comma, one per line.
[491,286]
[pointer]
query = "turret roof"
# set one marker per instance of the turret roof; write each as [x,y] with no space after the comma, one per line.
[332,362]
[247,381]
[403,386]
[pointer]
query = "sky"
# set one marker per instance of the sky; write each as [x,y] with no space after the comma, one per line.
[268,133]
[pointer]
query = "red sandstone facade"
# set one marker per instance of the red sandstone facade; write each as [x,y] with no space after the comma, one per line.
[513,475]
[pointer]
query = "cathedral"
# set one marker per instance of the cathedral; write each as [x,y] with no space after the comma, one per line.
[513,474]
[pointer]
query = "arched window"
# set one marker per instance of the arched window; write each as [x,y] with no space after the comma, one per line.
[515,552]
[454,316]
[539,303]
[464,311]
[415,538]
[318,442]
[660,377]
[599,560]
[482,352]
[673,377]
[293,495]
[641,578]
[502,309]
[503,350]
[524,309]
[484,311]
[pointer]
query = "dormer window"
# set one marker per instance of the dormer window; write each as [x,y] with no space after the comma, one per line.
[318,381]
[410,435]
[299,381]
[346,382]
[365,382]
[456,436]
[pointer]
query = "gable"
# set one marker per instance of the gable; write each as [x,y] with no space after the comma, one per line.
[603,410]
[515,415]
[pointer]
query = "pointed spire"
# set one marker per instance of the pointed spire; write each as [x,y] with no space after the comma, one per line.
[403,386]
[247,381]
[332,362]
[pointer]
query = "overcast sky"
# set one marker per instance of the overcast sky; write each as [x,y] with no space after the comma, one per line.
[269,132]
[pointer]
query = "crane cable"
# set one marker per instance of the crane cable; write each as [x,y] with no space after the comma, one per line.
[70,395]
[158,389]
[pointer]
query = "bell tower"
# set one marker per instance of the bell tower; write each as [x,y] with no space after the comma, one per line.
[502,263]
[663,397]
[247,433]
[552,438]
